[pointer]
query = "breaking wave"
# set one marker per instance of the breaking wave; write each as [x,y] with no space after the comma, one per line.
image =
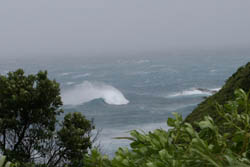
[195,91]
[88,91]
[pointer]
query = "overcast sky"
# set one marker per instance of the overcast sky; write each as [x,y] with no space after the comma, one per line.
[75,26]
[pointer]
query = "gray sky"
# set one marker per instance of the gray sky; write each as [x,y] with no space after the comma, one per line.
[75,26]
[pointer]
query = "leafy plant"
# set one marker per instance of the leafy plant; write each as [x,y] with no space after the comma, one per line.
[184,146]
[3,163]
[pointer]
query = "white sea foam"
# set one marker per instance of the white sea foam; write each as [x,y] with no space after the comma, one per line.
[213,70]
[65,73]
[70,83]
[215,89]
[82,75]
[139,73]
[194,91]
[142,61]
[88,91]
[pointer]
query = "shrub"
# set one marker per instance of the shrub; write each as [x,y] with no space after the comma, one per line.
[183,146]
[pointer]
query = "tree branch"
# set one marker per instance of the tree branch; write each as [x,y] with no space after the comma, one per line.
[20,137]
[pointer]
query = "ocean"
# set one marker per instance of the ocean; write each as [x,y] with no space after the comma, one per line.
[122,92]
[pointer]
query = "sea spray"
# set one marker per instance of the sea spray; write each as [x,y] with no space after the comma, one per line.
[88,91]
[194,91]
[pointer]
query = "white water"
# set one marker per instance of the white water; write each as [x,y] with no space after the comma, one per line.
[70,83]
[216,89]
[81,75]
[193,91]
[88,91]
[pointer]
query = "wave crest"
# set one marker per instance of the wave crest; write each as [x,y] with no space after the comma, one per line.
[88,91]
[195,91]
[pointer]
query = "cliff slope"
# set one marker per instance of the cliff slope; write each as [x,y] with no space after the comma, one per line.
[240,79]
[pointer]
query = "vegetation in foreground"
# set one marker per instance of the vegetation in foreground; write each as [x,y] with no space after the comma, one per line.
[29,130]
[31,136]
[184,146]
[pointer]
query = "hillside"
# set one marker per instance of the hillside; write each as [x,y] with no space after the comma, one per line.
[240,79]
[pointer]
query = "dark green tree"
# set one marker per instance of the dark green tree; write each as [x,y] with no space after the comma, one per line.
[74,136]
[29,106]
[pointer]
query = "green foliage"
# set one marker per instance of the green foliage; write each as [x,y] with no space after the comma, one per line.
[75,136]
[240,79]
[184,146]
[28,109]
[29,106]
[3,163]
[213,135]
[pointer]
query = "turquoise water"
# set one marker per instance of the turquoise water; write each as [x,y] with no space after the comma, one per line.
[125,92]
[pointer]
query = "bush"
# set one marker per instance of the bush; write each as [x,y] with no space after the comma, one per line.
[183,146]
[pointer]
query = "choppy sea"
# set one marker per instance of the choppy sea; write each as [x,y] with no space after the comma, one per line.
[122,92]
